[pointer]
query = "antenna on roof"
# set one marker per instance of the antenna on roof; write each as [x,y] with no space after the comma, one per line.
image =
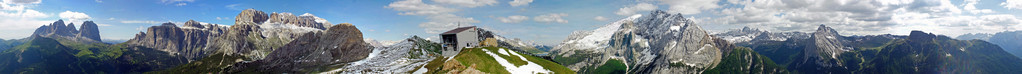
[459,23]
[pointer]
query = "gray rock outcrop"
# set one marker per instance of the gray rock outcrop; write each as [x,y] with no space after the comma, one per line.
[660,43]
[88,33]
[314,51]
[189,41]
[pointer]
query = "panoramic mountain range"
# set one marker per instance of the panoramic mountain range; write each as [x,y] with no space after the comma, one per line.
[655,43]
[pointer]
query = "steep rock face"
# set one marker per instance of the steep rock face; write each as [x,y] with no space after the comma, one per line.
[188,41]
[250,16]
[57,30]
[89,30]
[306,20]
[824,50]
[827,44]
[258,37]
[340,44]
[72,28]
[677,41]
[655,43]
[166,37]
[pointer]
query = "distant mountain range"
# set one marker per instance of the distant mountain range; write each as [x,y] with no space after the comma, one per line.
[658,43]
[654,43]
[826,52]
[1010,41]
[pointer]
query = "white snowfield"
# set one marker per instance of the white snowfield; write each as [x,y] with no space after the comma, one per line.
[599,37]
[386,60]
[530,68]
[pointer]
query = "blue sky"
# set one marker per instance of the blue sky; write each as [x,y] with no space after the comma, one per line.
[543,21]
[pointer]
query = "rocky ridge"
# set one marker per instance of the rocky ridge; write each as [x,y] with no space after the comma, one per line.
[256,34]
[826,45]
[314,51]
[189,40]
[654,43]
[89,32]
[752,35]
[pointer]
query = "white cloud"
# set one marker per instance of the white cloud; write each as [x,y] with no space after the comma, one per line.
[174,1]
[74,16]
[142,22]
[99,1]
[970,6]
[690,6]
[956,25]
[444,22]
[600,18]
[417,7]
[440,18]
[141,28]
[103,25]
[233,7]
[513,19]
[180,4]
[631,10]
[552,17]
[18,20]
[1012,4]
[865,17]
[22,1]
[517,3]
[467,3]
[177,2]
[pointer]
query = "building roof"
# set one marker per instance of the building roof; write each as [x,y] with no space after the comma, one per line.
[456,30]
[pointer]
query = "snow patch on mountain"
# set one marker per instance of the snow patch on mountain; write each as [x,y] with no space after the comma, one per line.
[387,60]
[530,68]
[598,38]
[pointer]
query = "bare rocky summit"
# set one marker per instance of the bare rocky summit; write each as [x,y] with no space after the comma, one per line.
[315,51]
[88,33]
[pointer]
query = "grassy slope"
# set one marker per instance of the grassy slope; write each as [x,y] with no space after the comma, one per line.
[38,56]
[743,61]
[613,66]
[485,63]
[215,63]
[943,55]
[48,55]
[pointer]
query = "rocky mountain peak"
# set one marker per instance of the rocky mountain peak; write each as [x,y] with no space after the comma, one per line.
[59,21]
[193,23]
[250,16]
[746,28]
[341,43]
[920,36]
[307,20]
[659,42]
[59,30]
[72,27]
[827,44]
[185,41]
[89,30]
[168,24]
[823,29]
